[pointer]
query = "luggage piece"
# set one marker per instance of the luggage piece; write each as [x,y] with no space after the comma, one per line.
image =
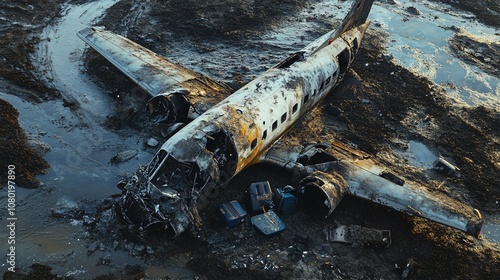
[260,195]
[284,201]
[268,223]
[232,213]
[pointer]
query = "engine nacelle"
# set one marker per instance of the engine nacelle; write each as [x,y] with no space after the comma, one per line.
[320,193]
[170,107]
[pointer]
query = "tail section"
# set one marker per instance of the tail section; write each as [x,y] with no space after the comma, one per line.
[357,16]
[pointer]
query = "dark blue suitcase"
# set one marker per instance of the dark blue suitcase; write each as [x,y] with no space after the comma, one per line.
[260,196]
[268,223]
[284,201]
[232,213]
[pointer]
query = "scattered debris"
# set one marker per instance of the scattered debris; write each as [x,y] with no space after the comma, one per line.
[232,213]
[284,200]
[445,167]
[268,223]
[123,156]
[410,264]
[152,142]
[359,236]
[260,197]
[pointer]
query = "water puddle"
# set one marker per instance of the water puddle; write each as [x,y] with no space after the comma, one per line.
[418,155]
[417,42]
[59,57]
[420,43]
[81,148]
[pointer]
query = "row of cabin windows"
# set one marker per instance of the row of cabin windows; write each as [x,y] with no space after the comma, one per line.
[295,108]
[323,84]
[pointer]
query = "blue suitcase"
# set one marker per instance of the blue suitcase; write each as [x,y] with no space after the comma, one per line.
[284,201]
[260,196]
[268,223]
[232,213]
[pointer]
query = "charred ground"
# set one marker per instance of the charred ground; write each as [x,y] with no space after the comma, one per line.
[377,103]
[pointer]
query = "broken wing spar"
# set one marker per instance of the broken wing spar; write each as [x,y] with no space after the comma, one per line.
[202,157]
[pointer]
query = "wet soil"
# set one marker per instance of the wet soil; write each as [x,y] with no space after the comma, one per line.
[20,21]
[477,52]
[378,106]
[486,11]
[17,151]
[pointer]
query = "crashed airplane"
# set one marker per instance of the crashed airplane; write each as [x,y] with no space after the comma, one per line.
[243,129]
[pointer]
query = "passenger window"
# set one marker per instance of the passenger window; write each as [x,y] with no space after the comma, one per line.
[306,98]
[328,80]
[322,85]
[254,144]
[314,92]
[283,118]
[295,107]
[264,135]
[275,125]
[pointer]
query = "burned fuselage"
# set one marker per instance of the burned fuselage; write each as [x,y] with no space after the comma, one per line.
[210,150]
[243,129]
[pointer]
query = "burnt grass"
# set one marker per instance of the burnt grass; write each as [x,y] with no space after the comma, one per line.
[468,135]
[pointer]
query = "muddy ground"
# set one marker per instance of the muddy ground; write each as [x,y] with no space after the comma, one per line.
[378,106]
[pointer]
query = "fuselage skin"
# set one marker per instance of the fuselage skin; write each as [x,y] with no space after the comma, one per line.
[259,113]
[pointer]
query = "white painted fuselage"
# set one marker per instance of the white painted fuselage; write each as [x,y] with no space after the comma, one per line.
[258,114]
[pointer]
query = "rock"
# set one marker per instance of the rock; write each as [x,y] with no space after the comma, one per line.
[123,156]
[152,142]
[414,11]
[387,57]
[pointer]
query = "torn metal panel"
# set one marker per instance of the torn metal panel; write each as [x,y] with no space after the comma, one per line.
[359,236]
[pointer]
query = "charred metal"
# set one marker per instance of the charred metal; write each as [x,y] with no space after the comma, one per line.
[222,137]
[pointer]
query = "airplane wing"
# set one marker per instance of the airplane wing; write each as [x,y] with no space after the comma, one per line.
[332,171]
[155,74]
